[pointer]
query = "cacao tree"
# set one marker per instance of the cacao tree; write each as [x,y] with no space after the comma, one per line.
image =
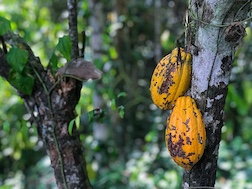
[50,95]
[216,28]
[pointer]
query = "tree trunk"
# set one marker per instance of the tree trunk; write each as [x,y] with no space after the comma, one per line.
[52,106]
[218,32]
[56,110]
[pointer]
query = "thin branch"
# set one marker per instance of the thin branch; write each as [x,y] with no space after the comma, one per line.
[83,33]
[73,31]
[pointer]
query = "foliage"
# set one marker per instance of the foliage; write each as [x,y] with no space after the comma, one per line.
[124,140]
[4,25]
[20,149]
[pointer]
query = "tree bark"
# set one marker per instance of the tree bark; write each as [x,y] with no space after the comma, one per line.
[218,32]
[54,103]
[73,30]
[52,106]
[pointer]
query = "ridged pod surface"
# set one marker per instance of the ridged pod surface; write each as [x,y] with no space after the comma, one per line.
[185,134]
[171,78]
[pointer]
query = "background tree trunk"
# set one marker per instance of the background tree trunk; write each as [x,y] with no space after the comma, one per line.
[96,21]
[219,31]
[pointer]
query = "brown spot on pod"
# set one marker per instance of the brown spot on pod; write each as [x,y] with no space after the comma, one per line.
[171,78]
[185,133]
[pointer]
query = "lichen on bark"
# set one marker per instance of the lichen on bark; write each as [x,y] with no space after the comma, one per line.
[210,78]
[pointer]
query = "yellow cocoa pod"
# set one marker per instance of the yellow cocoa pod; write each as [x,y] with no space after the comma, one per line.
[171,78]
[185,134]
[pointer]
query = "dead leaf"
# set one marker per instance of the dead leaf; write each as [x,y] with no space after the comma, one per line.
[81,69]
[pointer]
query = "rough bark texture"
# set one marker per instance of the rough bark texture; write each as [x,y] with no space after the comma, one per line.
[73,31]
[52,106]
[217,35]
[55,106]
[65,151]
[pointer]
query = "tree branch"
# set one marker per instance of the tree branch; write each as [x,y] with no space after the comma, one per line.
[73,30]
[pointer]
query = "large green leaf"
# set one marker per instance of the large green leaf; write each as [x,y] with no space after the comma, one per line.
[4,25]
[23,82]
[17,58]
[64,46]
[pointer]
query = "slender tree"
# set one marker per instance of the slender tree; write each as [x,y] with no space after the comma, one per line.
[51,96]
[216,27]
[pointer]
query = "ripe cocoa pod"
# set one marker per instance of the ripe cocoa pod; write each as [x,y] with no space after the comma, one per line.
[185,133]
[171,78]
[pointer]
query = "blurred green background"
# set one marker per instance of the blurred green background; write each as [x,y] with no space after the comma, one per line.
[125,147]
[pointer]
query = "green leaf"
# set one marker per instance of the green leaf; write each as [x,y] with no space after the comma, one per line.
[90,116]
[113,104]
[78,109]
[4,25]
[6,186]
[121,111]
[53,63]
[70,127]
[6,126]
[77,122]
[24,83]
[151,136]
[113,53]
[17,58]
[65,46]
[121,94]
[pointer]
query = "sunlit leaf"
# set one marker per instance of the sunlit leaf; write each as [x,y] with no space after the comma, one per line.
[121,94]
[64,46]
[6,186]
[151,136]
[113,104]
[91,172]
[17,154]
[70,127]
[77,122]
[78,109]
[17,58]
[113,53]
